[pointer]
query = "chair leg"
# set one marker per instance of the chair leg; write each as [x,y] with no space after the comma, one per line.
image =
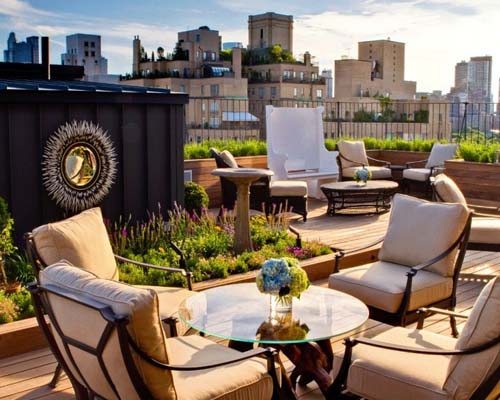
[453,325]
[57,375]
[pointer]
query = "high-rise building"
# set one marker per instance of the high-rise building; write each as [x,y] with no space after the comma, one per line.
[327,75]
[22,52]
[479,80]
[85,50]
[379,70]
[269,29]
[231,45]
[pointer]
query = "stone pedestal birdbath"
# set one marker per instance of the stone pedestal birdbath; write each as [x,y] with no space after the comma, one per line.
[242,178]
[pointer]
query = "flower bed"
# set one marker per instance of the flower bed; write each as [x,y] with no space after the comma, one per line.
[206,242]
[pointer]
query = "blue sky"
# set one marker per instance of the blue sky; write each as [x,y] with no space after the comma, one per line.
[437,33]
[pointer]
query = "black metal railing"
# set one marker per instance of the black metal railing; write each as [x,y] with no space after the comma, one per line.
[231,118]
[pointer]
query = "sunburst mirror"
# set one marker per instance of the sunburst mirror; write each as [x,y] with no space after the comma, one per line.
[79,165]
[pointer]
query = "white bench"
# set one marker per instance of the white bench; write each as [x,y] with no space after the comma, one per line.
[296,149]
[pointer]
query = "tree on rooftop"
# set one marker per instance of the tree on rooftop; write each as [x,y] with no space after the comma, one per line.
[226,55]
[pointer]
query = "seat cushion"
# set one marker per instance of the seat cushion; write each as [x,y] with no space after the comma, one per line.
[353,151]
[417,174]
[169,299]
[228,158]
[467,372]
[382,285]
[383,374]
[419,231]
[485,230]
[288,189]
[82,240]
[440,153]
[243,380]
[145,328]
[377,172]
[448,191]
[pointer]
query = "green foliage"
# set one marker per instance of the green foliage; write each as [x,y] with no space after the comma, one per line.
[6,243]
[237,148]
[226,55]
[15,306]
[19,268]
[195,197]
[363,116]
[421,116]
[278,55]
[478,152]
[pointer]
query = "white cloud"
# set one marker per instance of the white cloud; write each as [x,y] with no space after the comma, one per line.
[18,8]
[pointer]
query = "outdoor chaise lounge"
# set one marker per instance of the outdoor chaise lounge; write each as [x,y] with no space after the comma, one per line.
[352,157]
[115,347]
[417,364]
[485,228]
[296,147]
[418,264]
[270,195]
[418,173]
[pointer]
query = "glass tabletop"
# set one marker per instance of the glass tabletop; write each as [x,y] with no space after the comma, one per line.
[241,313]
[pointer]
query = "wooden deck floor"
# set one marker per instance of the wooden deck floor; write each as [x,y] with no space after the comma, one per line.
[26,376]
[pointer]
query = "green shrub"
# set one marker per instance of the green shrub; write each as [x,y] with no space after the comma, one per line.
[19,268]
[8,309]
[195,197]
[15,306]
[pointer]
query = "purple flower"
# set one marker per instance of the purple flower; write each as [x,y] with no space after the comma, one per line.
[124,232]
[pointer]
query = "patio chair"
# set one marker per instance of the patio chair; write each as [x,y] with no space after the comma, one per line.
[418,173]
[83,241]
[352,157]
[417,364]
[485,225]
[265,194]
[259,190]
[418,264]
[116,347]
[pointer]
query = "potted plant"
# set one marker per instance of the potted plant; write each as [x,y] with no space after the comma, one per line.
[6,244]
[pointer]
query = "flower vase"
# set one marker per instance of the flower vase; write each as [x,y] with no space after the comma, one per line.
[281,304]
[361,183]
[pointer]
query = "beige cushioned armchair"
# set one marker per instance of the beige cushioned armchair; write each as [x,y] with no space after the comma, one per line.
[83,241]
[117,349]
[416,364]
[418,263]
[352,157]
[485,226]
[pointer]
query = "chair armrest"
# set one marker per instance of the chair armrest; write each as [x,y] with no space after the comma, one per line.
[146,265]
[341,253]
[351,161]
[383,163]
[410,164]
[435,310]
[484,211]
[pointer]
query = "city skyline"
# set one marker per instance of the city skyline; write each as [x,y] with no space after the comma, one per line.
[438,34]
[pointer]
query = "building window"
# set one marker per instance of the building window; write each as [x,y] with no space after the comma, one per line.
[203,107]
[92,44]
[301,76]
[182,88]
[96,62]
[214,122]
[197,54]
[202,90]
[213,56]
[262,92]
[294,74]
[86,44]
[83,61]
[252,92]
[295,92]
[214,107]
[86,53]
[214,90]
[319,93]
[197,38]
[262,33]
[205,55]
[92,53]
[274,91]
[302,92]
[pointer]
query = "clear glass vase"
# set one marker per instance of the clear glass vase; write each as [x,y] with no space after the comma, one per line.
[281,304]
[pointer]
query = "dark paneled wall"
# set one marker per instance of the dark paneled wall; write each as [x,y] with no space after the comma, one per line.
[147,132]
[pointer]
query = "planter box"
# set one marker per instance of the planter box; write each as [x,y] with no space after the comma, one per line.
[480,182]
[24,336]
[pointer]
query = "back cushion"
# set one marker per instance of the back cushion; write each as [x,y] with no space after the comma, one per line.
[354,151]
[420,231]
[228,158]
[468,371]
[448,191]
[82,240]
[440,153]
[140,305]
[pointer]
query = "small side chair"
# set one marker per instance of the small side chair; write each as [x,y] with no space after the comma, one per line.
[352,157]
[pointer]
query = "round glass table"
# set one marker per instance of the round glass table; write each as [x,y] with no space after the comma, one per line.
[243,315]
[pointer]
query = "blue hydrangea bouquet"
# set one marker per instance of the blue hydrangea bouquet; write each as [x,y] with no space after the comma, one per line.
[362,175]
[284,279]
